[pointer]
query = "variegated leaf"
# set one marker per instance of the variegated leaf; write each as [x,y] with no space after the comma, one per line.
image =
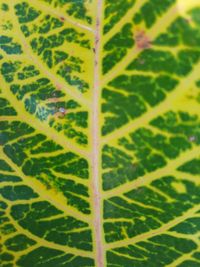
[100,133]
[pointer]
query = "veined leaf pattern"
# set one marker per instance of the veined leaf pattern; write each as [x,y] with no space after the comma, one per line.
[100,133]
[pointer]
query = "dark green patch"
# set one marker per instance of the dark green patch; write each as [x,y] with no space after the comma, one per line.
[51,257]
[117,47]
[17,192]
[114,12]
[34,217]
[19,243]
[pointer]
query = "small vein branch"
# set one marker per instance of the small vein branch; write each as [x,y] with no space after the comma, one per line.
[51,76]
[164,228]
[58,13]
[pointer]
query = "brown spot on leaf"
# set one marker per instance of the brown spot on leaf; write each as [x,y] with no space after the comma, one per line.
[142,40]
[62,18]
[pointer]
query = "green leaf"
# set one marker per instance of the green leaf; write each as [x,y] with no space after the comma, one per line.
[100,133]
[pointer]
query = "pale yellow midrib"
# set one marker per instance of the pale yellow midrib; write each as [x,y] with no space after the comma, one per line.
[95,147]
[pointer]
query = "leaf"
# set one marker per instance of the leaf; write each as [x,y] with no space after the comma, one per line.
[100,133]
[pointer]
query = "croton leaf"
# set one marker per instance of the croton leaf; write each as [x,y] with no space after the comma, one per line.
[100,133]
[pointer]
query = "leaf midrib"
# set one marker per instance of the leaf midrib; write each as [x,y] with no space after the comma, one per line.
[96,154]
